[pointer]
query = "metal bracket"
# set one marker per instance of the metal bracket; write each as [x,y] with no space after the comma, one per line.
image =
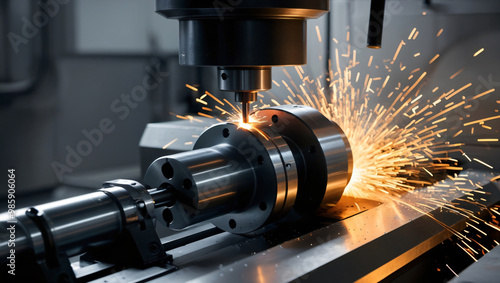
[139,245]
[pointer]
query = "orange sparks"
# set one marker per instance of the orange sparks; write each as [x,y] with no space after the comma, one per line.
[170,143]
[415,35]
[201,101]
[457,134]
[232,106]
[412,32]
[397,51]
[482,162]
[481,120]
[456,74]
[487,140]
[214,98]
[478,52]
[318,33]
[191,87]
[483,94]
[434,59]
[458,91]
[439,33]
[205,115]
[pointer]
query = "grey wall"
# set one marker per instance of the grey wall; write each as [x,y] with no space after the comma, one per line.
[123,26]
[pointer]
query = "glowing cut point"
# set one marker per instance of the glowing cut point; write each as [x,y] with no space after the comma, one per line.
[246,126]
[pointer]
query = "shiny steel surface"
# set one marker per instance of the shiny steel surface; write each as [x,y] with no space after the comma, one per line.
[207,183]
[244,176]
[244,80]
[378,242]
[81,222]
[77,222]
[324,148]
[241,179]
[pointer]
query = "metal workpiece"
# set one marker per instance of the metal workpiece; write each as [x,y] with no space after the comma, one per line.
[322,150]
[244,176]
[234,177]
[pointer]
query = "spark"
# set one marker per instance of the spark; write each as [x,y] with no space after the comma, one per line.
[456,74]
[434,59]
[214,98]
[483,94]
[205,115]
[482,162]
[201,101]
[191,87]
[482,120]
[398,145]
[397,51]
[170,143]
[478,52]
[412,32]
[319,34]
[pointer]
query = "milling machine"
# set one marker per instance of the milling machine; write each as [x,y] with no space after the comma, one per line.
[261,185]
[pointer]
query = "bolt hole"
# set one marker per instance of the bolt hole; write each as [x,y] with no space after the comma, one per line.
[275,119]
[224,76]
[187,184]
[312,149]
[260,159]
[232,224]
[167,215]
[225,132]
[262,206]
[167,170]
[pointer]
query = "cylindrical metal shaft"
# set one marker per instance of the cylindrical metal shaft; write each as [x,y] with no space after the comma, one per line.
[211,181]
[75,223]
